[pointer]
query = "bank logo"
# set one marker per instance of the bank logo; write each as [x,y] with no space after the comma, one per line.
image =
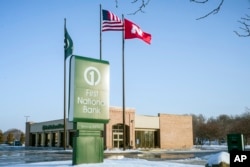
[92,76]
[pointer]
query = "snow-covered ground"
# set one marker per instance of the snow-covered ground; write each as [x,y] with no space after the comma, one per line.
[129,162]
[120,160]
[124,162]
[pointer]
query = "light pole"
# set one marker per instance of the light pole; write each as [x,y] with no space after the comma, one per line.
[26,118]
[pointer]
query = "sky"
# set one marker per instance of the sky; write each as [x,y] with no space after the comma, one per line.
[191,66]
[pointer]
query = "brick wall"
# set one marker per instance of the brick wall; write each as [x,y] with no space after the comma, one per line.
[116,117]
[176,131]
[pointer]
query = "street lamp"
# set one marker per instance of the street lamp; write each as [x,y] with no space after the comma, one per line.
[27,118]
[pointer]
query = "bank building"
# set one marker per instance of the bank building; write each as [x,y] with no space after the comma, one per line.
[164,131]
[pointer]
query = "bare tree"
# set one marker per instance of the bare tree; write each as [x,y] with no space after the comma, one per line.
[198,128]
[212,129]
[22,138]
[10,138]
[218,128]
[1,137]
[224,125]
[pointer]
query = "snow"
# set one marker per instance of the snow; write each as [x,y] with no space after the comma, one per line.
[121,161]
[124,162]
[219,157]
[120,151]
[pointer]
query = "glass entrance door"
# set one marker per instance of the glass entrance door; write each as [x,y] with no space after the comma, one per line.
[117,140]
[117,136]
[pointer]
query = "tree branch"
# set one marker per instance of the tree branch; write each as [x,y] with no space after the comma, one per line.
[196,1]
[245,28]
[116,3]
[215,11]
[243,20]
[247,18]
[141,7]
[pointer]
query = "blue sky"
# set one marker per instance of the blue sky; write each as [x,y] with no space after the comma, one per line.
[191,67]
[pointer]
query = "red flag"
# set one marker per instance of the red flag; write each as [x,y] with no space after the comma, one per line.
[134,31]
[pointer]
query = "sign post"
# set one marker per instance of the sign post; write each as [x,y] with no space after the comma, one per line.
[88,107]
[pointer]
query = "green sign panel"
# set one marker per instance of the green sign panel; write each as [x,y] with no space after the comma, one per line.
[89,126]
[89,90]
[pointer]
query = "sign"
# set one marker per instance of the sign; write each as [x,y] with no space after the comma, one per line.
[235,142]
[89,90]
[89,126]
[49,127]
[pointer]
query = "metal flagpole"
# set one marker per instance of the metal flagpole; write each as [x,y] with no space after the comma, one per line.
[123,89]
[64,114]
[100,32]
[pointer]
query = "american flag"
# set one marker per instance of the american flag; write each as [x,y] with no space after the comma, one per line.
[111,22]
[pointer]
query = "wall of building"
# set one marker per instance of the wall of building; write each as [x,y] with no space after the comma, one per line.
[176,131]
[116,117]
[49,133]
[164,131]
[146,122]
[54,125]
[146,131]
[28,134]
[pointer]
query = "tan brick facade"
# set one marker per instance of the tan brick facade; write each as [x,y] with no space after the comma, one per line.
[116,117]
[176,131]
[165,131]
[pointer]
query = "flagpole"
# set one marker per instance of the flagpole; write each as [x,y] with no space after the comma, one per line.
[123,88]
[64,106]
[100,32]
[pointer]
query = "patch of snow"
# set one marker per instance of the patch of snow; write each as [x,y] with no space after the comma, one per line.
[121,161]
[125,162]
[120,151]
[214,147]
[218,158]
[116,157]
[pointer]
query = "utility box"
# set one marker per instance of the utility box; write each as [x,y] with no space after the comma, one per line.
[235,142]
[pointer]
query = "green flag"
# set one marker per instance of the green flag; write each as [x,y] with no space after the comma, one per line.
[68,47]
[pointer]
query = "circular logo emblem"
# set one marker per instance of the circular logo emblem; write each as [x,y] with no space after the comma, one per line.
[92,76]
